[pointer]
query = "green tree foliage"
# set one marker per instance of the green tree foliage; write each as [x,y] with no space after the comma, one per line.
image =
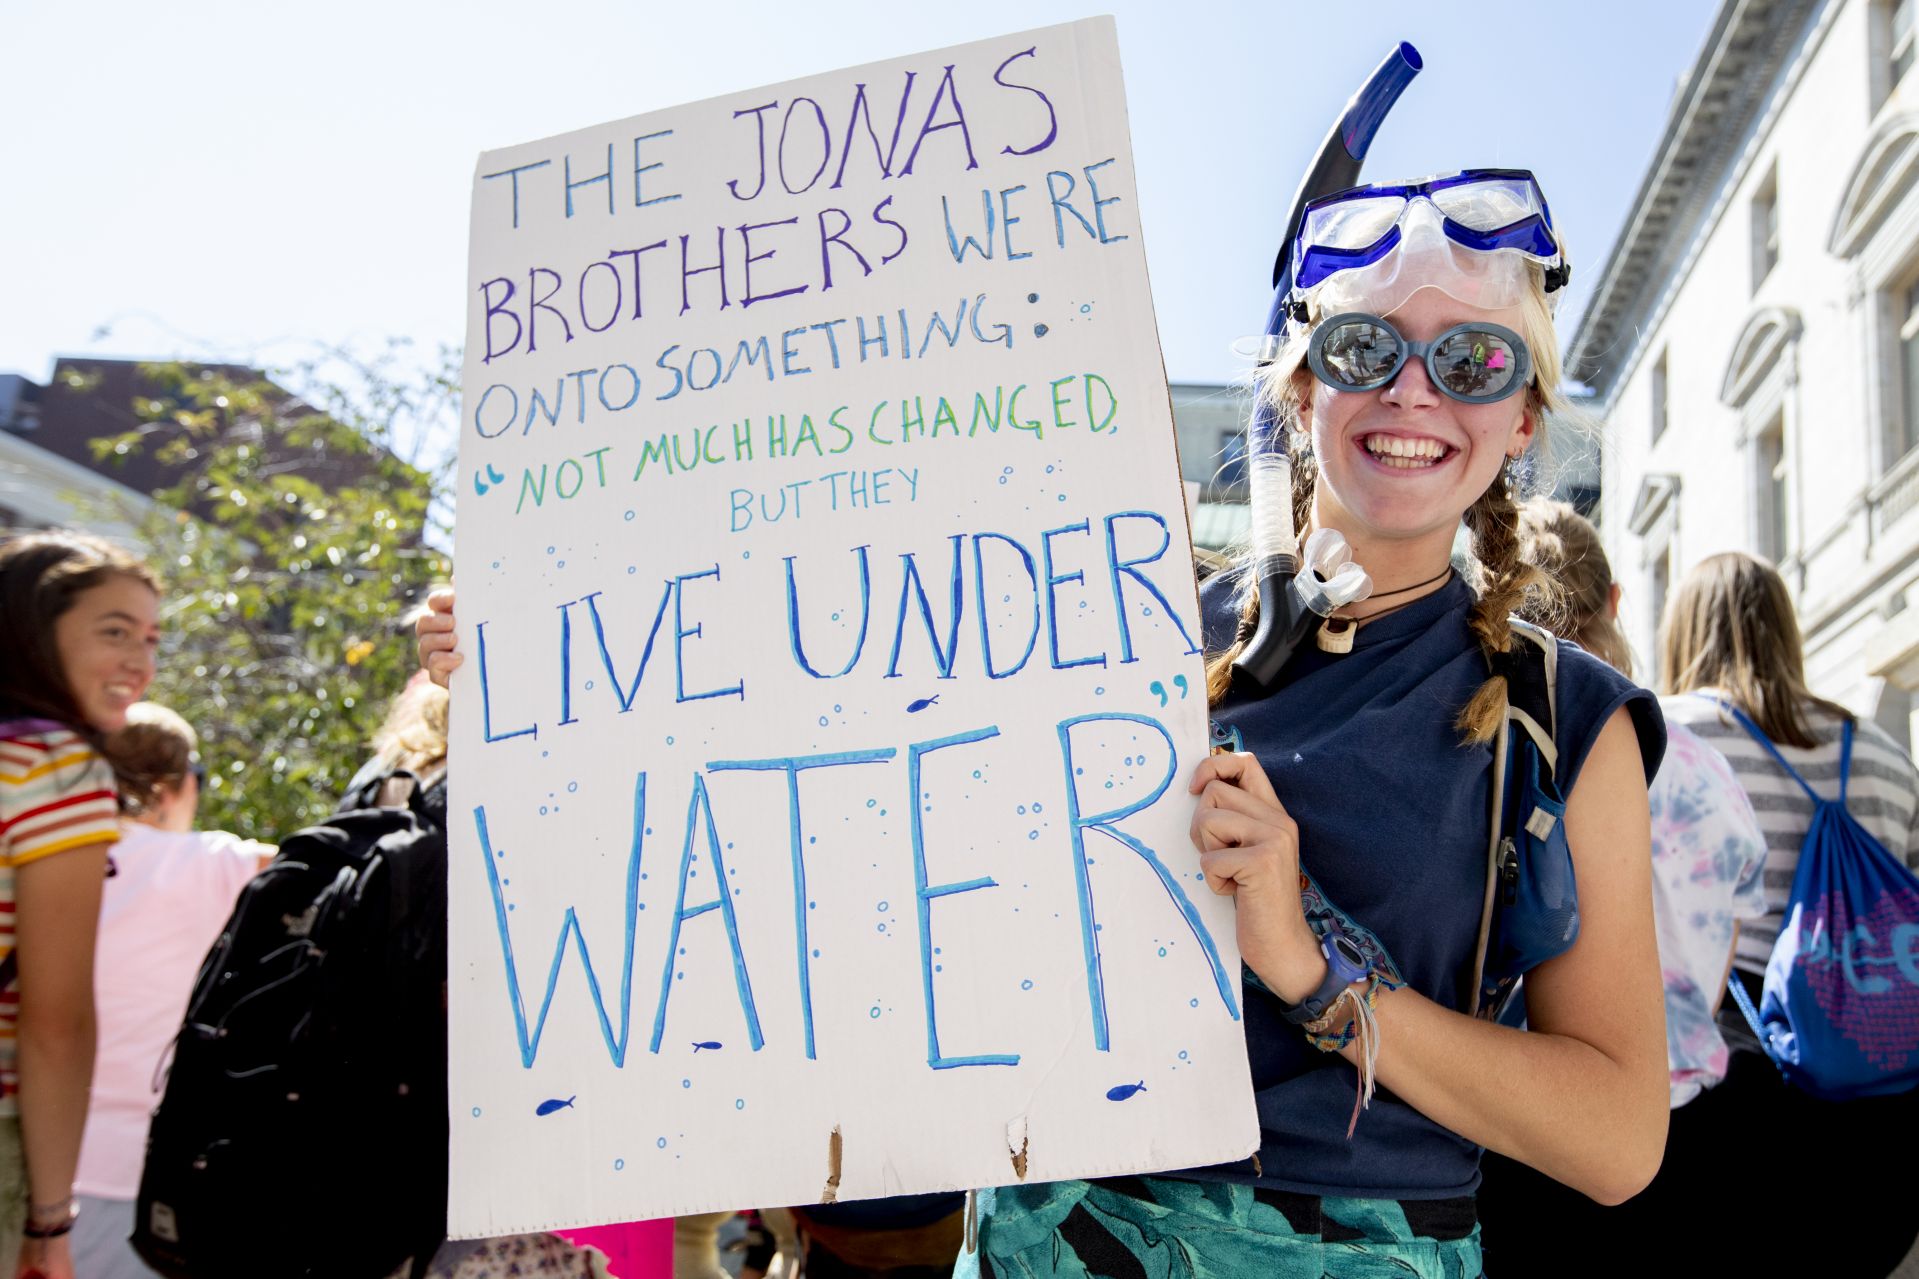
[297,541]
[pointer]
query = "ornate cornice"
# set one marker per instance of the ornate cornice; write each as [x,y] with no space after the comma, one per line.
[1727,89]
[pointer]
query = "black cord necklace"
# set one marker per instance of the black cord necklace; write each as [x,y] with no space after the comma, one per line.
[1339,638]
[1386,595]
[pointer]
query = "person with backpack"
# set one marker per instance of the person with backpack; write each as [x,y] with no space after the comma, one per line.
[169,889]
[1413,388]
[409,766]
[302,1129]
[1350,812]
[79,626]
[1801,1151]
[1707,855]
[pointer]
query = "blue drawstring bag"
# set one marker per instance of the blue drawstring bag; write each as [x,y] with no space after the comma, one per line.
[1839,1009]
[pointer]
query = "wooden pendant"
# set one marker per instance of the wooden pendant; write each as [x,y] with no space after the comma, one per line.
[1336,635]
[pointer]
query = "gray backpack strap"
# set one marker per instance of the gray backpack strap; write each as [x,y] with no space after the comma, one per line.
[1502,744]
[1535,693]
[1537,654]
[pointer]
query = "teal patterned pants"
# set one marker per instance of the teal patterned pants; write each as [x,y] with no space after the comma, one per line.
[1157,1228]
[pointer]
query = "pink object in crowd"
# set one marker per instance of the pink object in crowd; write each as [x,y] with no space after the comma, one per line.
[635,1250]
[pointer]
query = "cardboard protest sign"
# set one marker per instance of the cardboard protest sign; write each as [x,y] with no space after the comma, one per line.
[819,789]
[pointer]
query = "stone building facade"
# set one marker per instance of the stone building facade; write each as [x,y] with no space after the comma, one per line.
[1752,341]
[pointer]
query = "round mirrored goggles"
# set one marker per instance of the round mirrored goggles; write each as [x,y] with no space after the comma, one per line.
[1475,363]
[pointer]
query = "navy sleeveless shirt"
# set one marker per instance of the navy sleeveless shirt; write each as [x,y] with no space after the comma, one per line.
[1392,813]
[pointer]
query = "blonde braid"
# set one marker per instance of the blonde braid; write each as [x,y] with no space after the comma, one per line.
[1505,581]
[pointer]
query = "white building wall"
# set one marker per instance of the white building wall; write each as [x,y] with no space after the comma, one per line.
[39,489]
[1833,385]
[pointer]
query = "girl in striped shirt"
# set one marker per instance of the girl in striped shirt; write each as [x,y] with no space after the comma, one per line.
[78,629]
[1782,1155]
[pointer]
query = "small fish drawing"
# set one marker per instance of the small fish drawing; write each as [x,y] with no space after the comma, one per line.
[1124,1091]
[919,704]
[552,1104]
[708,1044]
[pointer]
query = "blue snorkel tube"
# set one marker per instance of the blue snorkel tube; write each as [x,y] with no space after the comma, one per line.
[1286,614]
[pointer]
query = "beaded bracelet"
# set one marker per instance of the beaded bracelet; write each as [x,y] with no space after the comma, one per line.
[1361,1026]
[1344,1014]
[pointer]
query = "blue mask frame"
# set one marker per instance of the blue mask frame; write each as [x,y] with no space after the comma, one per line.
[1533,234]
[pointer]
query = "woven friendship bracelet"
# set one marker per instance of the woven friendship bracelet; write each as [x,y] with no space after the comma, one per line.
[1360,1027]
[1345,1015]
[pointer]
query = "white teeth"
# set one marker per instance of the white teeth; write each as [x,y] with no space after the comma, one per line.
[1404,454]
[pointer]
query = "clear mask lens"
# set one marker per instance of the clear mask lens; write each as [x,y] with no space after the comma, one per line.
[1427,259]
[1426,256]
[1490,205]
[1353,224]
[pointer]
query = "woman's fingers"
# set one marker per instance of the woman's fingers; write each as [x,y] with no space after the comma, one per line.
[1229,869]
[437,637]
[1249,851]
[1223,794]
[1226,814]
[1222,828]
[1239,769]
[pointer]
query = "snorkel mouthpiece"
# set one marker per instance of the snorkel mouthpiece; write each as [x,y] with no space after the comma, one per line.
[1285,614]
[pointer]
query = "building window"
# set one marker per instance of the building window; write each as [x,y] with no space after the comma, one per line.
[1661,587]
[1229,477]
[1659,397]
[1769,476]
[1902,37]
[1765,227]
[1907,306]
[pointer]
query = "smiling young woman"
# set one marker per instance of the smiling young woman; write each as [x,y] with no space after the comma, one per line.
[1422,367]
[1349,815]
[79,623]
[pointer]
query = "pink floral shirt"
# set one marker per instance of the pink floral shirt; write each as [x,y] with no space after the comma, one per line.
[1708,855]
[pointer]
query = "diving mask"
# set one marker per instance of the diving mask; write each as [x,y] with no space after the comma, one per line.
[1470,234]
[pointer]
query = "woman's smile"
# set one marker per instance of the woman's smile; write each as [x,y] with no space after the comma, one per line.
[1405,452]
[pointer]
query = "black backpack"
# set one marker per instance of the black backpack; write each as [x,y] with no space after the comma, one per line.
[303,1130]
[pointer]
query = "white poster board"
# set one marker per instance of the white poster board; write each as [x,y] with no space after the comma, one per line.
[819,811]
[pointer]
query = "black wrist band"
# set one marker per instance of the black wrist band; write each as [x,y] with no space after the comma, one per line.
[32,1231]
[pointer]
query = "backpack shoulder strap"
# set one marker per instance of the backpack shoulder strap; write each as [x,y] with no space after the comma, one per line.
[1752,730]
[1845,759]
[382,788]
[1531,669]
[1532,686]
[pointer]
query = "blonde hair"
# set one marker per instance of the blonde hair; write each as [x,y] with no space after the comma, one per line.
[413,735]
[1730,625]
[1502,579]
[158,746]
[1564,545]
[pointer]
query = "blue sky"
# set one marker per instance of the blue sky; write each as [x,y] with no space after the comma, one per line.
[245,181]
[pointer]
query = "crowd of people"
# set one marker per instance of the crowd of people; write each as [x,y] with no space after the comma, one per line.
[1592,1127]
